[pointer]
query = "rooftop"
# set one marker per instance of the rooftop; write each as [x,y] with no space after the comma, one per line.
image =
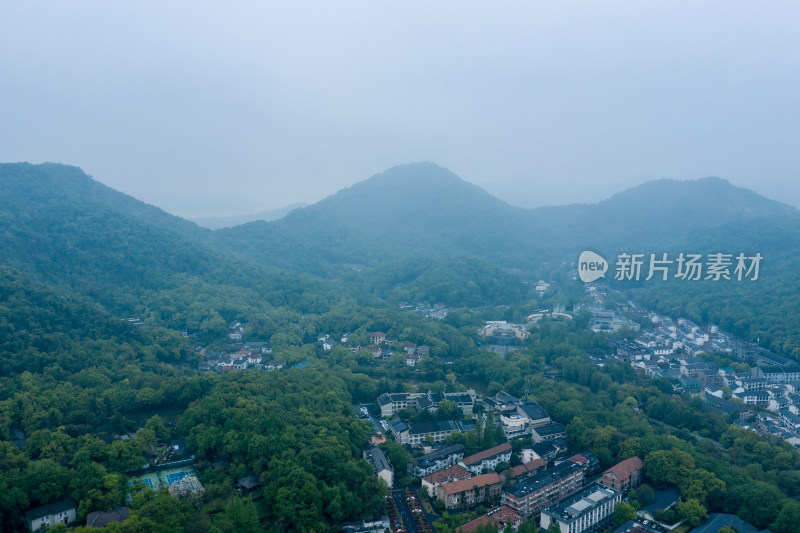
[486,454]
[438,454]
[474,482]
[50,508]
[579,504]
[455,472]
[543,479]
[624,469]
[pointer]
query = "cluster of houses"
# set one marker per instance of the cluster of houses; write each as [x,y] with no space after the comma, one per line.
[65,512]
[247,356]
[764,397]
[391,404]
[539,484]
[436,311]
[556,490]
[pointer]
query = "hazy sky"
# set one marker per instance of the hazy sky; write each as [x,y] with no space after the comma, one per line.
[206,108]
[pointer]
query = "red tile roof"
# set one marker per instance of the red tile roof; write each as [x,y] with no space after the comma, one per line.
[468,484]
[530,466]
[504,514]
[454,473]
[627,467]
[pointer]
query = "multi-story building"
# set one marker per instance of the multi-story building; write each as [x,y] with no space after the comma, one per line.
[380,465]
[624,475]
[435,461]
[419,434]
[448,475]
[487,460]
[549,431]
[590,508]
[391,404]
[530,496]
[467,492]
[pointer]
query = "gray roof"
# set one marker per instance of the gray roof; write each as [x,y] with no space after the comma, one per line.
[432,427]
[533,410]
[101,519]
[550,429]
[438,454]
[398,425]
[716,521]
[378,459]
[571,509]
[542,479]
[50,508]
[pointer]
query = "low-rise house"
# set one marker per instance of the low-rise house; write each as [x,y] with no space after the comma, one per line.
[624,475]
[380,464]
[487,460]
[515,425]
[550,449]
[390,404]
[45,516]
[587,510]
[400,431]
[500,517]
[247,484]
[448,475]
[102,519]
[502,403]
[377,337]
[717,521]
[789,420]
[549,431]
[534,412]
[432,432]
[413,359]
[436,460]
[468,492]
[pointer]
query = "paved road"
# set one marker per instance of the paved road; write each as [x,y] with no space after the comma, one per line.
[405,512]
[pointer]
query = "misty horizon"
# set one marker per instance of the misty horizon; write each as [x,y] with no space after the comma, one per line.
[242,108]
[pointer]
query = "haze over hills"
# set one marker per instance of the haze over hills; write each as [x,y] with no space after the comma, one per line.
[237,220]
[407,226]
[423,209]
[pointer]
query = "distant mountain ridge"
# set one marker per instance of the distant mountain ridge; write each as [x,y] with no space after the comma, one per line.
[424,209]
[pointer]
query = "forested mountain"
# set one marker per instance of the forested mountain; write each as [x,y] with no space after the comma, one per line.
[417,210]
[69,230]
[425,210]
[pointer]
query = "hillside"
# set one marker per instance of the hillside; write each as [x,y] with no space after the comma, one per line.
[66,229]
[422,209]
[411,210]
